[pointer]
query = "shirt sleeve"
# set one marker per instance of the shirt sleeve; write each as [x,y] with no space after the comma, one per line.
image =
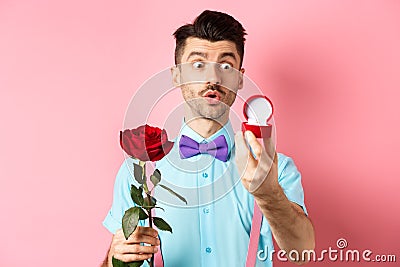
[121,197]
[290,180]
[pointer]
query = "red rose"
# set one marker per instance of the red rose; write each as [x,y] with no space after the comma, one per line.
[145,143]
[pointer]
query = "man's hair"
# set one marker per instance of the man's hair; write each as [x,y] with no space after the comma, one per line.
[212,26]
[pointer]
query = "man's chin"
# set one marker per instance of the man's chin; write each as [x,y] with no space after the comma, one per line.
[216,111]
[217,115]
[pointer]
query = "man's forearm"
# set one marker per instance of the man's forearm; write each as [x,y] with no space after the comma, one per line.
[290,226]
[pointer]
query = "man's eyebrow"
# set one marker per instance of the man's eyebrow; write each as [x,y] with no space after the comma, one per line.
[204,55]
[228,54]
[197,53]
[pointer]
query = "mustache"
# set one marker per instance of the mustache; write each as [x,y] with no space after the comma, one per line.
[214,87]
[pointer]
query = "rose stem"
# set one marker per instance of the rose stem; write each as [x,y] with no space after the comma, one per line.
[151,225]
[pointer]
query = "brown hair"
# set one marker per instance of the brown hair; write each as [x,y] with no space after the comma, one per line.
[212,26]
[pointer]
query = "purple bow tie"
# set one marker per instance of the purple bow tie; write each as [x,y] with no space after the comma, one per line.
[217,148]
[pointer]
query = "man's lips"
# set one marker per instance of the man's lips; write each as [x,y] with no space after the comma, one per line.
[212,95]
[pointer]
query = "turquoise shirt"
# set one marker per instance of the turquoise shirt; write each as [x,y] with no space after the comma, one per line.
[213,228]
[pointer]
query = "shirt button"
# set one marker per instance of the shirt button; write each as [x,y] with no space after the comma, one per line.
[206,210]
[205,175]
[208,250]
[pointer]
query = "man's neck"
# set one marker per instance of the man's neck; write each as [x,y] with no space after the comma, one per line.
[205,127]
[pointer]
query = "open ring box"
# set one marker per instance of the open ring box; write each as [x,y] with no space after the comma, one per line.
[258,111]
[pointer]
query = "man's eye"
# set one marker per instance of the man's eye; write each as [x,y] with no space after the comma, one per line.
[198,65]
[226,66]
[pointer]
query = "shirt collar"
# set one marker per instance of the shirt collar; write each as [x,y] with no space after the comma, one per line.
[226,130]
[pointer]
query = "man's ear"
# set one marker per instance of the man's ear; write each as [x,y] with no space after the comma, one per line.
[176,76]
[241,78]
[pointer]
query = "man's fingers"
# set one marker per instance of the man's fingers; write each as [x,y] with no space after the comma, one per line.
[242,150]
[119,233]
[146,235]
[140,230]
[264,149]
[254,144]
[243,143]
[136,239]
[240,143]
[141,234]
[135,249]
[132,257]
[146,231]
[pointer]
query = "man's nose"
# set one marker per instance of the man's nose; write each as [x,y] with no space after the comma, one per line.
[212,74]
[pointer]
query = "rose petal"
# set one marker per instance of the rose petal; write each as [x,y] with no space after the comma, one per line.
[145,143]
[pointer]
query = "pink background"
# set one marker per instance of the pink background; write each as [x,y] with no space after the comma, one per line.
[69,68]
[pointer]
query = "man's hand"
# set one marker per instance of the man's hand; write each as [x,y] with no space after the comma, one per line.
[131,249]
[260,172]
[290,226]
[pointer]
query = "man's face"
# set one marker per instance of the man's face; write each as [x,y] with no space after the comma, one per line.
[209,77]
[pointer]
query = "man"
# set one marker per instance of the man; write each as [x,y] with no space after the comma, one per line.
[214,229]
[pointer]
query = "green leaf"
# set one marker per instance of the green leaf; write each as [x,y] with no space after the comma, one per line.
[135,263]
[117,263]
[136,195]
[142,214]
[174,193]
[155,178]
[130,221]
[138,173]
[149,203]
[161,224]
[157,207]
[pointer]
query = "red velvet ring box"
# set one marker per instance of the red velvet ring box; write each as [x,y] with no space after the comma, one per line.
[258,110]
